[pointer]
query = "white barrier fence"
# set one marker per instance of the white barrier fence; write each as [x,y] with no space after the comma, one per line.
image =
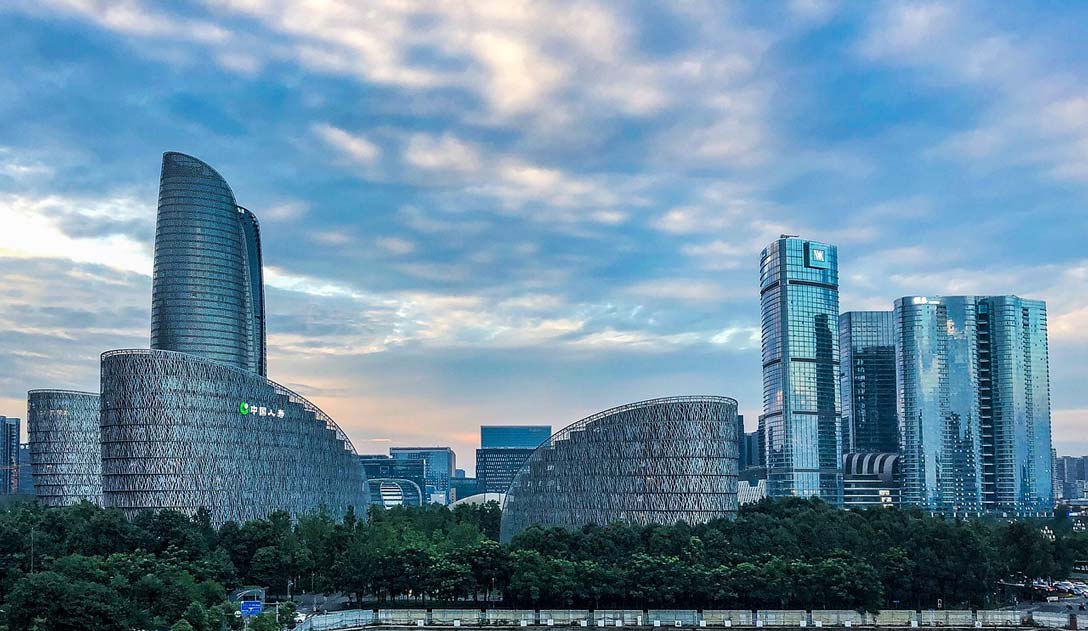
[681,618]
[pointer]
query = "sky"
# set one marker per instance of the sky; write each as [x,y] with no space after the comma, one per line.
[526,212]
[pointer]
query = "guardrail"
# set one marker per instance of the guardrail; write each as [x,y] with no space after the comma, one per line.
[683,618]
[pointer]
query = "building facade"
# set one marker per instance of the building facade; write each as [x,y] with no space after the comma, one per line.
[1014,405]
[871,480]
[867,362]
[207,295]
[438,466]
[390,492]
[63,426]
[653,462]
[230,441]
[801,420]
[9,455]
[385,467]
[496,468]
[1071,477]
[26,471]
[513,436]
[974,404]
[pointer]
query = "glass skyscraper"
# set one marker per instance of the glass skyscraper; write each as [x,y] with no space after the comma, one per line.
[867,348]
[974,404]
[1017,474]
[207,296]
[513,436]
[799,300]
[9,455]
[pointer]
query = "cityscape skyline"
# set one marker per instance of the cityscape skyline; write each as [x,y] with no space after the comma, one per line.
[433,241]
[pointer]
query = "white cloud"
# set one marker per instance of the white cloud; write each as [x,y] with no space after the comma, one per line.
[31,230]
[443,154]
[682,289]
[354,146]
[396,245]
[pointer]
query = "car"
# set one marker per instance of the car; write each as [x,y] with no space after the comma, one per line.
[300,617]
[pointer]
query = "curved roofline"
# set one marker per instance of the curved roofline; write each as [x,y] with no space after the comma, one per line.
[61,391]
[398,480]
[340,433]
[206,166]
[611,412]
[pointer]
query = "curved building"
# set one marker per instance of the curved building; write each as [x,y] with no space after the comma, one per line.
[64,449]
[207,295]
[654,462]
[183,432]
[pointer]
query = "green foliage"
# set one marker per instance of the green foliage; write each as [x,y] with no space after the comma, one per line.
[95,570]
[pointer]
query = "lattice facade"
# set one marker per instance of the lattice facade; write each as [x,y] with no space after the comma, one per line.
[182,432]
[654,462]
[64,448]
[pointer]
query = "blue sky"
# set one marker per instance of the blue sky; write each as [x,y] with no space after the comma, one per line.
[521,212]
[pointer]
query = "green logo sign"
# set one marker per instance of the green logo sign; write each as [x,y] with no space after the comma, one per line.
[243,407]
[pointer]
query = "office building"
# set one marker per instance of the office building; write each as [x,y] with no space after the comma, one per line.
[652,462]
[974,404]
[460,488]
[799,302]
[1070,477]
[26,471]
[192,422]
[513,436]
[871,480]
[207,294]
[496,468]
[9,455]
[403,472]
[867,363]
[750,493]
[439,464]
[63,427]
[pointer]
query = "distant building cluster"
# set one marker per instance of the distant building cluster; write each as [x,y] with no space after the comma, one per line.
[1070,477]
[942,402]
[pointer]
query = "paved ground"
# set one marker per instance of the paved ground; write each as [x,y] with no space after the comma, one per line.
[1064,605]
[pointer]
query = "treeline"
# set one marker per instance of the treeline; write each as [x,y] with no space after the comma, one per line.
[85,567]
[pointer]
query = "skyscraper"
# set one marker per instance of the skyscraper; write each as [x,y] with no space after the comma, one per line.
[207,296]
[513,436]
[974,403]
[867,348]
[496,468]
[503,450]
[439,463]
[799,300]
[1014,405]
[9,455]
[26,471]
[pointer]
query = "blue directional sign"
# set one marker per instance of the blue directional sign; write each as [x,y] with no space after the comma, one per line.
[251,608]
